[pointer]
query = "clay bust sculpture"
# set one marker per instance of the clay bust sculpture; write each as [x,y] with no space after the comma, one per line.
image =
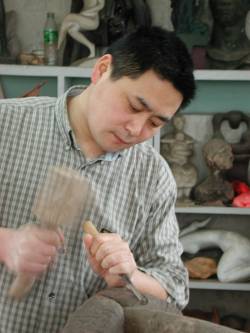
[177,149]
[76,24]
[215,190]
[234,264]
[229,46]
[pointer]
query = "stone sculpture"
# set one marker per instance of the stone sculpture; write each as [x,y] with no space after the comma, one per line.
[116,310]
[215,190]
[177,149]
[241,149]
[229,46]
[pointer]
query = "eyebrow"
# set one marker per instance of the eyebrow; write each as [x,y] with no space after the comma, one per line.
[142,101]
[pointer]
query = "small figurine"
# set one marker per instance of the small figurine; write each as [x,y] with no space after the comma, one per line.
[76,24]
[177,149]
[215,190]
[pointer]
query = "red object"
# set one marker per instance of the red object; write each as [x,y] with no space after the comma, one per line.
[242,200]
[240,187]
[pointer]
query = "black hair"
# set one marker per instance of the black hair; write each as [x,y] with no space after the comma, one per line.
[154,48]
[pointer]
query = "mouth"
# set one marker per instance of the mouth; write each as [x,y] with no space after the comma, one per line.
[120,140]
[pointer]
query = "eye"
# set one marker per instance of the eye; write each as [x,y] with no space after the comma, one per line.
[133,108]
[155,122]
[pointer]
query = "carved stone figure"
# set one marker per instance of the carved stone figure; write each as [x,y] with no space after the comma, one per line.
[215,190]
[234,264]
[116,310]
[76,24]
[177,149]
[229,46]
[241,149]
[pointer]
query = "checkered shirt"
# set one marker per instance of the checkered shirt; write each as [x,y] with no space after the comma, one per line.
[134,196]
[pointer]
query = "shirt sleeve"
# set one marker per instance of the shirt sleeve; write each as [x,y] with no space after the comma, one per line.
[159,252]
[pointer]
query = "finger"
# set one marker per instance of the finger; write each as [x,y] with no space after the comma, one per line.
[37,247]
[103,238]
[116,259]
[33,268]
[123,268]
[109,248]
[50,237]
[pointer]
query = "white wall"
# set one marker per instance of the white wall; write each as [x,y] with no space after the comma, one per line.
[32,15]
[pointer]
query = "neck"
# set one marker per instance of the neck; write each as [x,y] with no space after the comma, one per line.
[77,111]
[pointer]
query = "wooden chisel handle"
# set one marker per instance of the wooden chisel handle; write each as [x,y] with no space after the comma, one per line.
[89,228]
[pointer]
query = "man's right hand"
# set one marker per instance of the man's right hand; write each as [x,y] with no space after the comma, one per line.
[29,249]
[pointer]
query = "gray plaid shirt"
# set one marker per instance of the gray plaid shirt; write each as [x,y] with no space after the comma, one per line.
[135,195]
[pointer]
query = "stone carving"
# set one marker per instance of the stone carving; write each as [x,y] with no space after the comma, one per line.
[116,310]
[215,190]
[240,149]
[229,46]
[177,149]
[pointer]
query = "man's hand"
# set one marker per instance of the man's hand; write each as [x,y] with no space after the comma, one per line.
[30,249]
[109,257]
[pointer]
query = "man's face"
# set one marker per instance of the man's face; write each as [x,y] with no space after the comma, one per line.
[127,111]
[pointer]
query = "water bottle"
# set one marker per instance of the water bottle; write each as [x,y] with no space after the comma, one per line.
[50,37]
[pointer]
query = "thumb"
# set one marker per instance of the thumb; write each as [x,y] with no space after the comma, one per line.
[87,240]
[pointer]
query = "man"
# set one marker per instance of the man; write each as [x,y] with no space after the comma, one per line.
[136,87]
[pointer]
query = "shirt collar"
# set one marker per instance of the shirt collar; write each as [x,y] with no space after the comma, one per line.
[65,129]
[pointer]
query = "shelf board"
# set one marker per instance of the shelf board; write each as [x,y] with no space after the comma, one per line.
[222,75]
[213,210]
[217,285]
[68,71]
[29,70]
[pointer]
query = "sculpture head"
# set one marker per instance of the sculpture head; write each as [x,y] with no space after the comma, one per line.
[154,49]
[229,12]
[218,155]
[178,122]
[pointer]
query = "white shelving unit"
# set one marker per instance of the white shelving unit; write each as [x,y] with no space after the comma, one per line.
[213,210]
[62,74]
[217,285]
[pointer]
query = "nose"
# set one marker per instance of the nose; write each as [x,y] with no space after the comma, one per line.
[135,125]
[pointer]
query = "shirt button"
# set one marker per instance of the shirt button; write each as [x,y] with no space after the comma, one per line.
[51,296]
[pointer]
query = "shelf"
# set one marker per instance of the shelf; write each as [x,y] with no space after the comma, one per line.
[29,70]
[62,74]
[213,210]
[222,75]
[217,285]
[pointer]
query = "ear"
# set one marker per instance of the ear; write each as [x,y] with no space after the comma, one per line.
[102,65]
